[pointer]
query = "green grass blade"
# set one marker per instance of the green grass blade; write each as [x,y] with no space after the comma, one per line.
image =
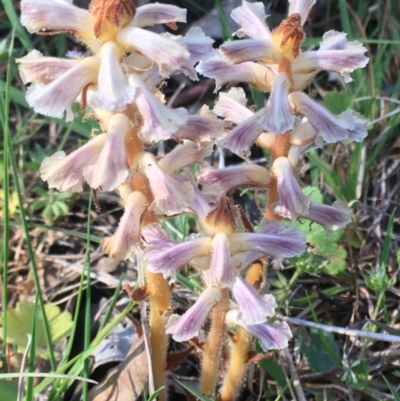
[32,353]
[31,254]
[6,188]
[384,259]
[88,308]
[395,394]
[226,30]
[110,307]
[20,31]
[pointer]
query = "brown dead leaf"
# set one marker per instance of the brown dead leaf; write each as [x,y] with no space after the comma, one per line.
[175,359]
[137,294]
[126,381]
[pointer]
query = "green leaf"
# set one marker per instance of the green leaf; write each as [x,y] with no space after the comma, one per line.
[20,321]
[337,102]
[8,390]
[395,394]
[320,349]
[194,392]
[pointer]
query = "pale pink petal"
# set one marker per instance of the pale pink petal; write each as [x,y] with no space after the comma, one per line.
[58,96]
[152,14]
[159,121]
[170,195]
[292,201]
[239,51]
[111,168]
[286,243]
[331,217]
[278,117]
[199,205]
[336,55]
[200,128]
[254,307]
[301,7]
[189,324]
[242,137]
[170,55]
[302,133]
[124,243]
[113,90]
[39,16]
[224,73]
[332,128]
[38,69]
[163,257]
[232,106]
[153,234]
[65,173]
[199,45]
[221,272]
[184,155]
[232,177]
[251,17]
[271,335]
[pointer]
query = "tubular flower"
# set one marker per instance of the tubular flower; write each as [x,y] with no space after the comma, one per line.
[111,30]
[272,61]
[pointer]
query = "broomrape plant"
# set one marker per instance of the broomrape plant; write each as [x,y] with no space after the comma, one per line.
[118,82]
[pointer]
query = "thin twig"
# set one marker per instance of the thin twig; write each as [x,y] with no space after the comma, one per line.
[295,376]
[342,330]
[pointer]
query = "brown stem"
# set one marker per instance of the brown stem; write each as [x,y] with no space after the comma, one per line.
[159,300]
[241,345]
[213,346]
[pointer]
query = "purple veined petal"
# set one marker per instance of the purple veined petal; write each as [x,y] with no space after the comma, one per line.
[285,244]
[332,128]
[171,196]
[65,173]
[242,137]
[235,176]
[199,45]
[58,96]
[153,234]
[278,117]
[38,69]
[57,15]
[271,335]
[223,73]
[124,243]
[189,324]
[152,14]
[200,128]
[301,7]
[170,55]
[113,89]
[254,307]
[220,273]
[251,17]
[336,54]
[239,51]
[199,205]
[159,121]
[331,217]
[232,106]
[111,168]
[169,259]
[184,155]
[292,201]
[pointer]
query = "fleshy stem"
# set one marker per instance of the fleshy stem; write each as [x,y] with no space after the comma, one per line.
[241,345]
[159,301]
[157,286]
[213,346]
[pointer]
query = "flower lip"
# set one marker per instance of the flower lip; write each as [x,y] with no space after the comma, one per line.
[190,323]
